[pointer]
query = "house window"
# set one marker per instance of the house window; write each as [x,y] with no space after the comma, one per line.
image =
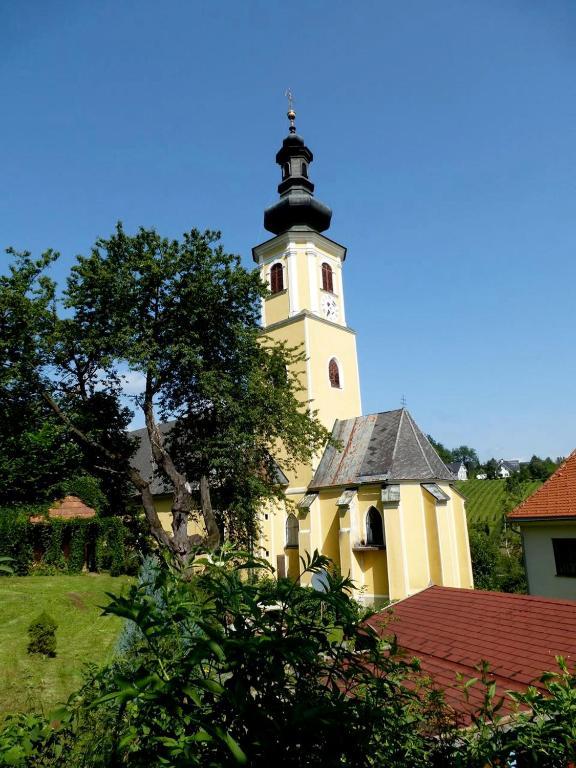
[565,556]
[334,373]
[276,278]
[291,531]
[327,282]
[374,529]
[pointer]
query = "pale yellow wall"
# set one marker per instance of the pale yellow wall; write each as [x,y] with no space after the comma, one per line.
[432,538]
[325,341]
[163,506]
[539,558]
[426,542]
[395,550]
[293,333]
[277,307]
[466,578]
[328,533]
[295,317]
[414,534]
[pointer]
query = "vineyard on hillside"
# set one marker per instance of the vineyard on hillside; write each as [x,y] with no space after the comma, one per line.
[484,498]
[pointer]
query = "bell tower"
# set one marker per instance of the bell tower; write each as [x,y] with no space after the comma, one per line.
[305,307]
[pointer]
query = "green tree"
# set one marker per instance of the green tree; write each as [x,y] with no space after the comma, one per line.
[485,556]
[464,453]
[541,469]
[184,316]
[467,455]
[444,453]
[39,453]
[491,469]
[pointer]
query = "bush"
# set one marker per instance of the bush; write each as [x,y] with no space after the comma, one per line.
[229,670]
[42,632]
[101,538]
[87,488]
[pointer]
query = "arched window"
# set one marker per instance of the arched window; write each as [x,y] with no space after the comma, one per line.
[291,531]
[334,373]
[276,278]
[374,529]
[304,170]
[327,282]
[285,170]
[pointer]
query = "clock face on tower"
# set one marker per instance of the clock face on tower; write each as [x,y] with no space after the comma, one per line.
[329,308]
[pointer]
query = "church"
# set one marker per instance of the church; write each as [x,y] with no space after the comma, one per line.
[379,502]
[382,505]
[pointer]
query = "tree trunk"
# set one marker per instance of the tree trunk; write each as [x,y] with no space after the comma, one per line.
[182,544]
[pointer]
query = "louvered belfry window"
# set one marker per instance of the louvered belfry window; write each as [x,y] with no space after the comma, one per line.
[334,373]
[327,281]
[276,278]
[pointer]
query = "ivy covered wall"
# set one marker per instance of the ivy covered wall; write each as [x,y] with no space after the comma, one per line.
[60,545]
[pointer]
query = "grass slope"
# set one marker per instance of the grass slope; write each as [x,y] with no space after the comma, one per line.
[30,682]
[484,498]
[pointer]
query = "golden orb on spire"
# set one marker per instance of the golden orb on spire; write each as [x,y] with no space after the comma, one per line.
[291,114]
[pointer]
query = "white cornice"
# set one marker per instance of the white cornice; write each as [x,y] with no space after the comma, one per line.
[298,236]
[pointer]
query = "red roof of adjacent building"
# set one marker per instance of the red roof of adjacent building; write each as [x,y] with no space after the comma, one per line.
[555,499]
[452,630]
[71,507]
[68,508]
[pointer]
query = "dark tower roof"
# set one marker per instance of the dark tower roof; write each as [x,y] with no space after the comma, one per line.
[297,206]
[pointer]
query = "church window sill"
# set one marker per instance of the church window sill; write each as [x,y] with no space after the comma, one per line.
[368,547]
[291,546]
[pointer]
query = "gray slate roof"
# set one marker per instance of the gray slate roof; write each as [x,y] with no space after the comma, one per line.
[513,465]
[454,466]
[143,462]
[381,447]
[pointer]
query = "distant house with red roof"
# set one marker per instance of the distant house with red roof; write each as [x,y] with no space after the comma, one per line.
[547,522]
[452,630]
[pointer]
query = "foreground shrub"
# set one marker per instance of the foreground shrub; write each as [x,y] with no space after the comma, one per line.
[225,669]
[42,633]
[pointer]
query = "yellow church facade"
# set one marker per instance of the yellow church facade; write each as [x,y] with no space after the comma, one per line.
[380,503]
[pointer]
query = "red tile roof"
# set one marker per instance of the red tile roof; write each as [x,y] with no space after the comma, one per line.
[71,507]
[555,499]
[451,630]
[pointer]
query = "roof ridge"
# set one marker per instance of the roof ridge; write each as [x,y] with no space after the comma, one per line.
[422,451]
[397,438]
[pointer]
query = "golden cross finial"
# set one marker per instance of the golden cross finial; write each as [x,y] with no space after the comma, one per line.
[291,114]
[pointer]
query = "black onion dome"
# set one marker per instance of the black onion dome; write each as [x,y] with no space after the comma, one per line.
[297,209]
[297,206]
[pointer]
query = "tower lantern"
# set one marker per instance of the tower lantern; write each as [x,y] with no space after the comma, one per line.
[297,206]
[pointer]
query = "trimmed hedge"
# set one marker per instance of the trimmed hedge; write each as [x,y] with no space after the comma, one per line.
[102,538]
[42,632]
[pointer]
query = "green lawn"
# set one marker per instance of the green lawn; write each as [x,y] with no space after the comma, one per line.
[484,498]
[83,635]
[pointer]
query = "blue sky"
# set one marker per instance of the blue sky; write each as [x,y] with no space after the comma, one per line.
[445,142]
